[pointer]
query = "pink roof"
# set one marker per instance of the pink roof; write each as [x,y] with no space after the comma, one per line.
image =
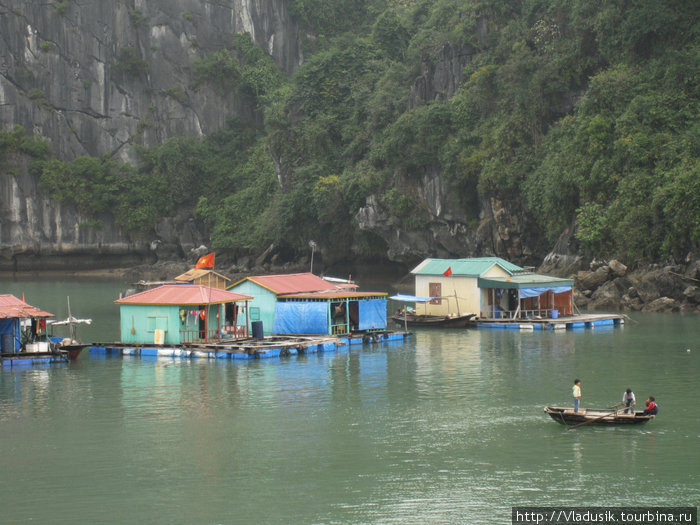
[292,283]
[181,294]
[11,308]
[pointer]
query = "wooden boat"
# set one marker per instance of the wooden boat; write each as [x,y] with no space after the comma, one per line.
[438,321]
[68,344]
[408,316]
[596,416]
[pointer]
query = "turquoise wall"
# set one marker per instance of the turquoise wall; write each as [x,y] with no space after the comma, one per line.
[264,303]
[145,319]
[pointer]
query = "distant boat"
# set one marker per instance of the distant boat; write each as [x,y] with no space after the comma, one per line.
[437,321]
[596,416]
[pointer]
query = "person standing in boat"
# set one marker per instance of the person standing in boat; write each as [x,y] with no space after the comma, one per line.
[651,408]
[629,400]
[577,393]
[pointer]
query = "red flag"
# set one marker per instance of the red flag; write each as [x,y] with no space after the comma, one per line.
[448,272]
[206,261]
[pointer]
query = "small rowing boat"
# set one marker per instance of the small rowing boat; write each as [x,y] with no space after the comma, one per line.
[603,416]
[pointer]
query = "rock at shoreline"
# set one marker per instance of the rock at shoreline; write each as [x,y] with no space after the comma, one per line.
[662,304]
[617,268]
[611,286]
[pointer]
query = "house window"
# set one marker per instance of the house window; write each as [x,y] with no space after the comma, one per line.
[435,290]
[254,313]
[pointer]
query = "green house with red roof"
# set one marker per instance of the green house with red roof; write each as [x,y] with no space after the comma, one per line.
[183,313]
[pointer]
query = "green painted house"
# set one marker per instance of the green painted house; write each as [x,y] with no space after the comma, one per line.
[182,313]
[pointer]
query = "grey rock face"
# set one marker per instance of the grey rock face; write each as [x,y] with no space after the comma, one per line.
[100,77]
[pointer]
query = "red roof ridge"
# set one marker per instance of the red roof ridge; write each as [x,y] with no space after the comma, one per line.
[176,294]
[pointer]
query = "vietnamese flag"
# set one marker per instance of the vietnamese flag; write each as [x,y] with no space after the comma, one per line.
[448,272]
[206,261]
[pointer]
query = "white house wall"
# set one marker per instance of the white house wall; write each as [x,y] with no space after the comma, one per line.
[470,299]
[465,288]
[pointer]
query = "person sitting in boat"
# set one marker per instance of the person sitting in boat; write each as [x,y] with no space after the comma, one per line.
[629,400]
[651,409]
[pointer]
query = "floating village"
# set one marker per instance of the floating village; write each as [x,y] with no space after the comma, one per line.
[202,314]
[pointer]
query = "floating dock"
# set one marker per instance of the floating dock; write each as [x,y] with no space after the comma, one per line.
[249,348]
[27,359]
[571,322]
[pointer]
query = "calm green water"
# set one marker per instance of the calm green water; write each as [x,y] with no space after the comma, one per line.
[447,428]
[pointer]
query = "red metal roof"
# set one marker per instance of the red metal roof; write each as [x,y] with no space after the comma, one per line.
[336,294]
[195,273]
[13,308]
[181,294]
[292,283]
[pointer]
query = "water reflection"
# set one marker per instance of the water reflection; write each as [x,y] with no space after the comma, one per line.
[446,428]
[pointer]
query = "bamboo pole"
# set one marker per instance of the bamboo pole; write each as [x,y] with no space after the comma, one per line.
[71,331]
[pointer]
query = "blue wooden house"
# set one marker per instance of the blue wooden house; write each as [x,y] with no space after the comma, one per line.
[304,303]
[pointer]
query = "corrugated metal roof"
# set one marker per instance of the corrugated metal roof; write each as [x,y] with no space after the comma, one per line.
[334,294]
[195,273]
[290,283]
[13,308]
[182,294]
[528,280]
[471,267]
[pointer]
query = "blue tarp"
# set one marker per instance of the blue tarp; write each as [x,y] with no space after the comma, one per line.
[534,292]
[10,326]
[301,318]
[372,314]
[411,298]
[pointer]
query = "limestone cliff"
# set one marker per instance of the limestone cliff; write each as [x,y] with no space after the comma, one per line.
[102,77]
[98,77]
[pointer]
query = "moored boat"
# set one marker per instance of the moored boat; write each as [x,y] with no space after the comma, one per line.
[438,321]
[408,316]
[595,416]
[68,344]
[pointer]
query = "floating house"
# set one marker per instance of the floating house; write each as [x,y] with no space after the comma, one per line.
[204,277]
[23,336]
[14,338]
[304,303]
[181,313]
[492,288]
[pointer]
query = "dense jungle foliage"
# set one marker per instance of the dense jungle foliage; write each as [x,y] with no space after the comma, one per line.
[586,111]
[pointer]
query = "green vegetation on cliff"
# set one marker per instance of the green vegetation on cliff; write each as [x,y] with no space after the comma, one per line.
[579,112]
